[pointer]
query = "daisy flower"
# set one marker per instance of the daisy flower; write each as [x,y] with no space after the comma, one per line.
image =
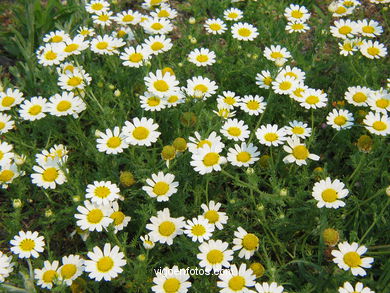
[71,81]
[75,46]
[161,84]
[102,192]
[72,268]
[106,45]
[174,99]
[369,28]
[357,95]
[93,216]
[158,44]
[253,105]
[284,85]
[103,18]
[86,31]
[27,244]
[296,13]
[65,104]
[377,123]
[141,131]
[359,288]
[297,94]
[298,129]
[213,215]
[128,17]
[151,102]
[298,152]
[264,79]
[207,160]
[164,228]
[199,229]
[243,156]
[212,141]
[247,243]
[348,47]
[147,242]
[294,72]
[120,220]
[297,27]
[6,154]
[202,57]
[340,119]
[275,53]
[8,172]
[33,109]
[244,31]
[57,36]
[379,101]
[112,142]
[6,266]
[271,135]
[214,255]
[51,54]
[313,99]
[154,26]
[232,14]
[344,29]
[236,280]
[215,26]
[338,9]
[349,257]
[201,87]
[228,99]
[328,193]
[224,112]
[161,186]
[47,275]
[150,4]
[165,11]
[10,98]
[171,280]
[269,287]
[135,57]
[48,176]
[96,6]
[235,129]
[6,123]
[105,264]
[373,50]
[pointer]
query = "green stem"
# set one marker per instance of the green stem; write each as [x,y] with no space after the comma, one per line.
[375,221]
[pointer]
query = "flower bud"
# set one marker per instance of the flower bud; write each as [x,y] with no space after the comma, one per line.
[179,144]
[168,152]
[126,178]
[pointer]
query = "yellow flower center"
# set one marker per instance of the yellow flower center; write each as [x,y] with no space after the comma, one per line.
[202,143]
[63,106]
[237,283]
[253,105]
[136,57]
[56,39]
[74,81]
[271,136]
[215,26]
[102,45]
[161,188]
[382,103]
[210,159]
[173,99]
[118,217]
[298,130]
[368,29]
[50,174]
[250,241]
[157,46]
[298,92]
[105,264]
[359,97]
[341,10]
[296,14]
[232,15]
[329,195]
[155,2]
[161,85]
[297,26]
[7,101]
[234,131]
[154,101]
[2,125]
[244,32]
[35,110]
[6,175]
[345,30]
[198,230]
[312,100]
[348,3]
[95,216]
[84,32]
[347,46]
[102,191]
[202,58]
[340,120]
[291,74]
[68,271]
[212,216]
[171,285]
[157,26]
[201,87]
[300,152]
[127,18]
[285,85]
[103,17]
[352,259]
[140,133]
[214,256]
[243,157]
[166,228]
[379,125]
[50,55]
[114,142]
[71,48]
[373,51]
[276,55]
[267,80]
[27,244]
[97,6]
[229,100]
[163,13]
[49,276]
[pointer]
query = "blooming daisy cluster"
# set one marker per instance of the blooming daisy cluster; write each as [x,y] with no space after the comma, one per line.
[297,16]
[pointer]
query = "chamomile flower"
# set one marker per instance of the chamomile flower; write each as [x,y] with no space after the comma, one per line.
[202,57]
[328,193]
[298,129]
[165,11]
[379,101]
[135,57]
[164,228]
[313,99]
[275,53]
[6,154]
[141,131]
[296,13]
[215,26]
[154,26]
[269,287]
[247,243]
[147,242]
[74,80]
[377,123]
[65,104]
[212,141]
[161,84]
[349,257]
[47,275]
[340,119]
[128,17]
[339,10]
[171,280]
[297,94]
[369,28]
[243,156]
[271,135]
[294,72]
[224,112]
[96,6]
[57,36]
[6,266]
[103,18]
[10,98]
[201,87]
[158,44]
[244,31]
[102,192]
[51,54]
[348,47]
[207,160]
[232,14]
[33,109]
[298,152]
[75,46]
[264,79]
[373,50]
[228,99]
[253,105]
[93,216]
[8,172]
[27,244]
[112,141]
[6,123]
[214,255]
[174,99]
[284,85]
[161,186]
[120,219]
[106,45]
[213,215]
[86,31]
[357,95]
[48,176]
[105,264]
[344,29]
[236,280]
[235,129]
[151,102]
[297,27]
[199,229]
[72,268]
[359,288]
[149,4]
